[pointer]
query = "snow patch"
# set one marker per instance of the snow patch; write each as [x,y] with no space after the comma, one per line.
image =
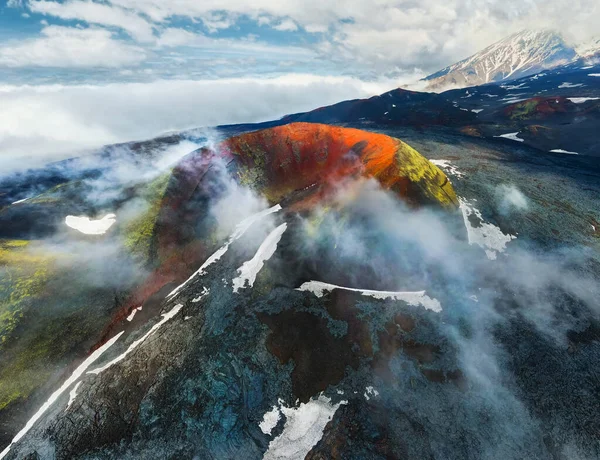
[52,399]
[511,136]
[87,226]
[270,420]
[19,201]
[165,317]
[240,229]
[563,151]
[512,100]
[476,110]
[593,74]
[581,100]
[370,392]
[417,298]
[132,314]
[569,85]
[303,429]
[204,293]
[486,235]
[249,270]
[513,87]
[448,167]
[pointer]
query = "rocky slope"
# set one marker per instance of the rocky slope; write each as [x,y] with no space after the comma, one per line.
[370,319]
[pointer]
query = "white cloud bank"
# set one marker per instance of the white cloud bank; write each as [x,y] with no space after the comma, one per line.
[39,123]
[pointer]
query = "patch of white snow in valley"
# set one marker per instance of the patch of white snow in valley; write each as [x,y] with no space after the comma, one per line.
[417,298]
[476,110]
[511,136]
[165,317]
[20,201]
[73,394]
[132,314]
[91,227]
[303,429]
[448,167]
[581,100]
[570,85]
[270,420]
[72,379]
[240,229]
[249,270]
[485,235]
[593,74]
[563,151]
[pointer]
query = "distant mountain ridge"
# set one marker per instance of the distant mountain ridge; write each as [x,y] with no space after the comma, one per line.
[515,56]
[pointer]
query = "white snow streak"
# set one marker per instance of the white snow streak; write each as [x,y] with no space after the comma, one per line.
[165,317]
[74,376]
[240,229]
[511,136]
[570,85]
[581,100]
[249,270]
[563,151]
[73,394]
[416,298]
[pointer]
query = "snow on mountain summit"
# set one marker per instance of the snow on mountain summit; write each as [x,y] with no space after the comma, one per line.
[589,49]
[515,56]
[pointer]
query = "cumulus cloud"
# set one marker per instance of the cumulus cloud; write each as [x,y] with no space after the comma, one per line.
[70,47]
[97,13]
[287,25]
[53,121]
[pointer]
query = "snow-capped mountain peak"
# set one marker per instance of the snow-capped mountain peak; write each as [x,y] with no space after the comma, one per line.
[589,49]
[517,55]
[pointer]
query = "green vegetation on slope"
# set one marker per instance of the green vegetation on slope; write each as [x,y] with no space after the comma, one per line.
[139,231]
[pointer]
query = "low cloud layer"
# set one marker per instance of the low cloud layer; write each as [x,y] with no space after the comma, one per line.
[41,123]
